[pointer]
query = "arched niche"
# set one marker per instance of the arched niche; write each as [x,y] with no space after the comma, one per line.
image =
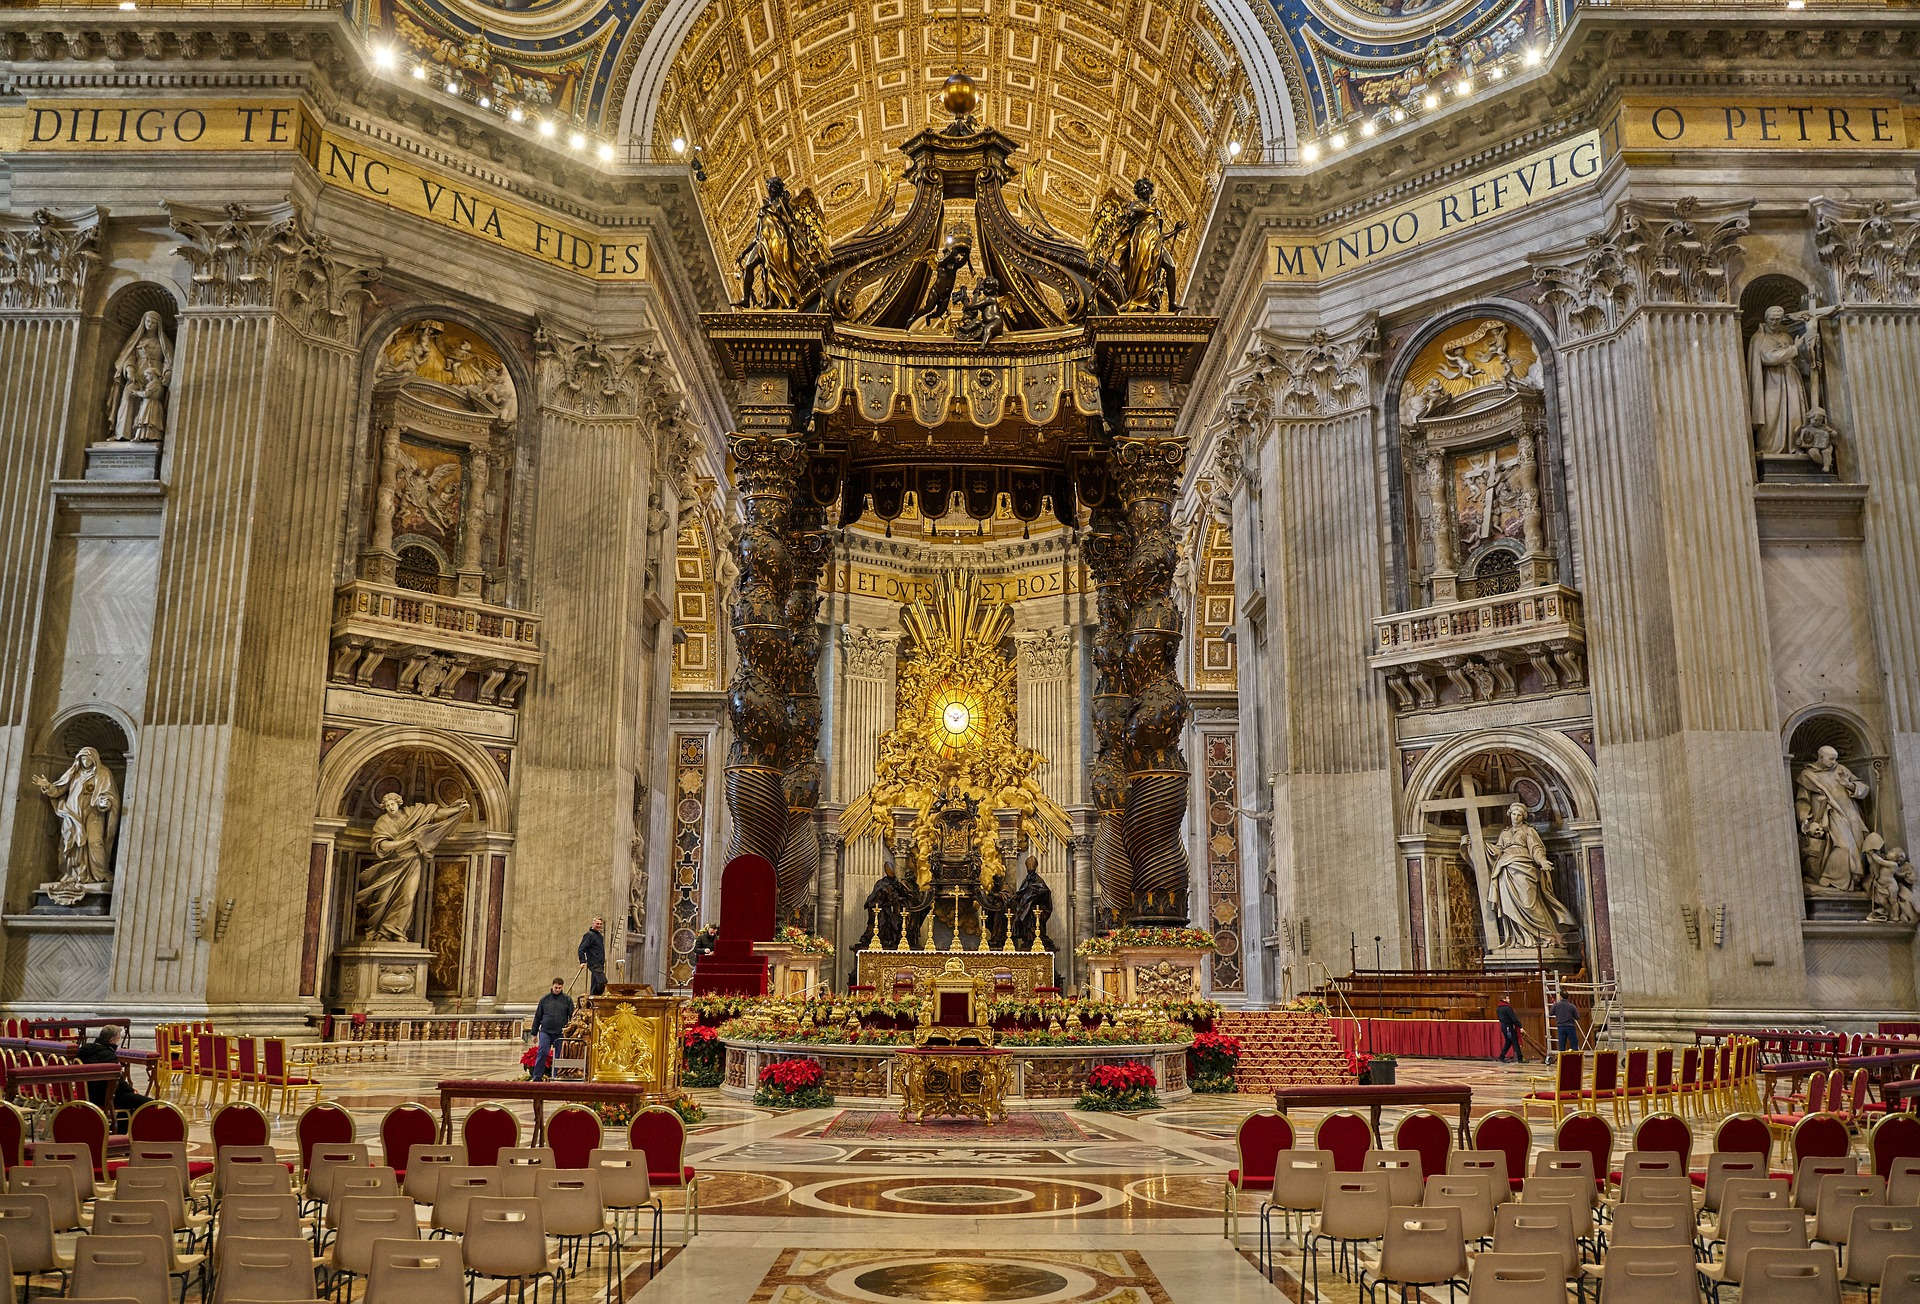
[1454,809]
[459,904]
[120,318]
[110,733]
[1869,819]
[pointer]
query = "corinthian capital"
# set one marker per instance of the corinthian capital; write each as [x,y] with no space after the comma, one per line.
[1872,249]
[45,259]
[1652,253]
[324,290]
[236,252]
[1316,375]
[598,375]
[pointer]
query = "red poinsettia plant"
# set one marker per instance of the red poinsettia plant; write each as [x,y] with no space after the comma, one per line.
[792,1084]
[1128,1085]
[703,1057]
[1211,1061]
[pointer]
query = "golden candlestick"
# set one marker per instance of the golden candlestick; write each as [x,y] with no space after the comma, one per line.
[1036,931]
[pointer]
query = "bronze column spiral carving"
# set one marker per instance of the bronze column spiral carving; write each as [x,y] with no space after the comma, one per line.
[1106,553]
[767,469]
[799,860]
[1147,473]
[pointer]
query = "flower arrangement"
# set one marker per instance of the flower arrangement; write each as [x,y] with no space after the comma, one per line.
[1359,1062]
[529,1055]
[688,1109]
[1114,939]
[792,1084]
[1125,1086]
[1306,1005]
[703,1056]
[1211,1061]
[1105,1035]
[614,1113]
[803,941]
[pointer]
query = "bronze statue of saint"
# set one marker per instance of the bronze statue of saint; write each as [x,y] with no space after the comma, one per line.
[1137,238]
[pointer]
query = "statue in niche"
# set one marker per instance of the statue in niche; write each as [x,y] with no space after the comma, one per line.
[1816,438]
[1526,911]
[1889,876]
[1136,237]
[429,497]
[429,351]
[1833,831]
[1783,357]
[141,375]
[388,890]
[947,263]
[1430,400]
[87,804]
[1489,482]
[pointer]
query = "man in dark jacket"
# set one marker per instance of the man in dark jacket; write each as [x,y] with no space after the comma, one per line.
[550,1019]
[105,1049]
[1566,1024]
[593,957]
[1509,1032]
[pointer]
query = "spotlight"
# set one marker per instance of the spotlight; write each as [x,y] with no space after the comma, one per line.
[606,152]
[486,101]
[1432,100]
[1310,152]
[1233,149]
[1399,115]
[679,145]
[1369,128]
[546,127]
[1791,4]
[128,5]
[382,54]
[419,73]
[1497,74]
[1338,140]
[516,114]
[575,140]
[453,88]
[1463,86]
[1533,56]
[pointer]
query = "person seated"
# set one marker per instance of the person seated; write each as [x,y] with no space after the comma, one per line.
[105,1049]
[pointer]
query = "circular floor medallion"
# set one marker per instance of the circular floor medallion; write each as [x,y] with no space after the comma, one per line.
[958,1194]
[961,1281]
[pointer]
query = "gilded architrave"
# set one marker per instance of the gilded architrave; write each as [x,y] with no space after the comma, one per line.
[1102,93]
[696,650]
[1214,665]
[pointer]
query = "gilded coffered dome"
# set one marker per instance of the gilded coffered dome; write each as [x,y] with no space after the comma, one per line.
[1098,92]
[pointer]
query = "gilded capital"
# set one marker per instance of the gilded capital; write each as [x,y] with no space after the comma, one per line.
[1872,249]
[46,258]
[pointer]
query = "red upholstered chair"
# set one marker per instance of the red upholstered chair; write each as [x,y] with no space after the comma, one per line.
[486,1131]
[1606,1083]
[1429,1135]
[1740,1134]
[1257,1144]
[322,1124]
[573,1134]
[80,1123]
[238,1123]
[1506,1131]
[1819,1136]
[1855,1099]
[1895,1137]
[1813,1102]
[1591,1133]
[1560,1092]
[1638,1088]
[1688,1088]
[157,1120]
[1668,1132]
[747,900]
[1348,1136]
[401,1129]
[276,1074]
[13,1135]
[1663,1084]
[661,1134]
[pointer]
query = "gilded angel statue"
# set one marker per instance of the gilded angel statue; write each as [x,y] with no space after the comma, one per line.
[789,241]
[1134,237]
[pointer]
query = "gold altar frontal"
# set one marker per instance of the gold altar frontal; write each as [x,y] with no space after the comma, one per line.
[880,969]
[634,1036]
[953,1082]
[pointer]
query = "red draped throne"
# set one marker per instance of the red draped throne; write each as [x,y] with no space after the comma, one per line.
[732,968]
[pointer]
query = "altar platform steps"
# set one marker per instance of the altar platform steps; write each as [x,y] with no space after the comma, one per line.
[1283,1048]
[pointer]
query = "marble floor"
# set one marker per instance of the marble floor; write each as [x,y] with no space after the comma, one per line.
[840,1206]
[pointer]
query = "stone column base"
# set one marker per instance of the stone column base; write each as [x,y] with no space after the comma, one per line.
[382,979]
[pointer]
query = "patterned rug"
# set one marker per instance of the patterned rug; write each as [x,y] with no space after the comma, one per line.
[878,1125]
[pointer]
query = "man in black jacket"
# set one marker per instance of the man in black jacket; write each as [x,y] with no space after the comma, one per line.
[594,957]
[1509,1032]
[105,1049]
[550,1019]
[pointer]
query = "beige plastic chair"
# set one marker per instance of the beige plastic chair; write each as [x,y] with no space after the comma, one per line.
[459,1185]
[1424,1245]
[1791,1277]
[1576,1193]
[327,1159]
[1493,1163]
[1299,1185]
[1472,1193]
[424,1166]
[263,1270]
[358,1183]
[1838,1198]
[261,1164]
[26,1226]
[1903,1182]
[1900,1283]
[1651,1163]
[165,1154]
[625,1187]
[1650,1274]
[506,1240]
[162,1183]
[149,1218]
[1353,1212]
[1724,1168]
[518,1166]
[1538,1229]
[1812,1171]
[1500,1278]
[56,1184]
[1644,1188]
[1878,1234]
[1564,1163]
[576,1217]
[259,1218]
[1402,1169]
[1749,1230]
[363,1220]
[77,1157]
[417,1272]
[121,1267]
[1655,1226]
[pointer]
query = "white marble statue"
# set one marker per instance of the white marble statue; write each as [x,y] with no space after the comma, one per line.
[1889,875]
[137,412]
[1833,832]
[1780,361]
[87,804]
[389,888]
[1526,911]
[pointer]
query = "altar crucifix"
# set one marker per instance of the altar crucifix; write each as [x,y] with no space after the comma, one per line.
[1470,803]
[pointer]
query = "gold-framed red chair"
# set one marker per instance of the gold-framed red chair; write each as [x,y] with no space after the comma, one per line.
[661,1134]
[1257,1144]
[1564,1091]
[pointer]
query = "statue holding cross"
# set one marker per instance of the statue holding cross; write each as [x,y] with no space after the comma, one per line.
[1522,917]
